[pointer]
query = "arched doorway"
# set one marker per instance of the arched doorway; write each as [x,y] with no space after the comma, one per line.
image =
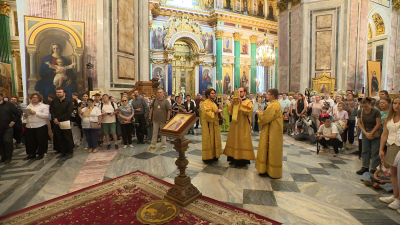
[183,68]
[378,43]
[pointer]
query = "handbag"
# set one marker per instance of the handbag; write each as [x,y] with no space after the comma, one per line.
[65,125]
[94,125]
[340,122]
[377,134]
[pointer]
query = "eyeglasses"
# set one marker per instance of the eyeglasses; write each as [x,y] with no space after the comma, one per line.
[124,100]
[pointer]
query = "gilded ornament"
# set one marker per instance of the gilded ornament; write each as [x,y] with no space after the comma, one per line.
[157,212]
[15,53]
[282,5]
[237,36]
[181,23]
[276,43]
[379,24]
[4,9]
[203,50]
[253,39]
[167,61]
[396,4]
[150,24]
[369,31]
[219,34]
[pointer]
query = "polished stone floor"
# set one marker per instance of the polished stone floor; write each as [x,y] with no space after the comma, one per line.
[314,189]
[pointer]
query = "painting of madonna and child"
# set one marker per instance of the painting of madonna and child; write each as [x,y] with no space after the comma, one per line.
[56,70]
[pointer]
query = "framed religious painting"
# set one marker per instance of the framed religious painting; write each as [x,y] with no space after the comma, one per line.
[227,45]
[179,124]
[374,76]
[244,47]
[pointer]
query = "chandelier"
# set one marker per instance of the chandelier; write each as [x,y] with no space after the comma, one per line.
[265,54]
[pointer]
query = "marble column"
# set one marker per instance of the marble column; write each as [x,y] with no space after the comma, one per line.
[32,80]
[5,44]
[237,37]
[197,75]
[276,63]
[219,35]
[201,89]
[253,40]
[169,61]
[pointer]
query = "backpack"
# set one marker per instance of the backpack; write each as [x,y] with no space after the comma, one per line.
[340,129]
[112,104]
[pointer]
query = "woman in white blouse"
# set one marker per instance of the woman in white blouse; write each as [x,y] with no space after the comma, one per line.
[91,124]
[36,128]
[391,138]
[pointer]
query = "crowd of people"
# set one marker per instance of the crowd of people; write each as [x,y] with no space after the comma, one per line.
[90,121]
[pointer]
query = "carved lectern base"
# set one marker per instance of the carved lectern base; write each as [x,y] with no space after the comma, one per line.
[183,192]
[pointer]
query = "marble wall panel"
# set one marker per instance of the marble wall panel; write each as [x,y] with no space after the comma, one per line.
[392,53]
[362,46]
[85,11]
[324,21]
[353,27]
[125,26]
[323,48]
[126,68]
[43,8]
[283,63]
[296,47]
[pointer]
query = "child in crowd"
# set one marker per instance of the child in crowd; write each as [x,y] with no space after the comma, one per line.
[341,117]
[380,179]
[323,114]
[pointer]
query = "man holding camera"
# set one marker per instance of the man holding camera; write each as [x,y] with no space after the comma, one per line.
[328,134]
[305,123]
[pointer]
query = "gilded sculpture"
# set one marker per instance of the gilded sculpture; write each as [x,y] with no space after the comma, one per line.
[379,24]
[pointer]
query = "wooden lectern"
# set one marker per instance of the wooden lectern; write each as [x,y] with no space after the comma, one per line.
[147,87]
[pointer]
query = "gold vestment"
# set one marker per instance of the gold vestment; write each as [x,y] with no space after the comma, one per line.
[211,135]
[239,144]
[270,146]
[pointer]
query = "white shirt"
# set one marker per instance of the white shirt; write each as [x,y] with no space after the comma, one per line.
[293,102]
[284,104]
[393,128]
[93,117]
[108,109]
[39,119]
[329,131]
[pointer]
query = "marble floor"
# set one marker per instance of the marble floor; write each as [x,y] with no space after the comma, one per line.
[314,189]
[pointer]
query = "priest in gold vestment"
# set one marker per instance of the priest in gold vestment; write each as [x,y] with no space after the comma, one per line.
[210,132]
[239,147]
[270,146]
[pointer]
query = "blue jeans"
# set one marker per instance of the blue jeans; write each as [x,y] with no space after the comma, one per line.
[91,137]
[370,151]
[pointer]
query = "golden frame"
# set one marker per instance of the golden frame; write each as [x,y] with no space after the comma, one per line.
[327,81]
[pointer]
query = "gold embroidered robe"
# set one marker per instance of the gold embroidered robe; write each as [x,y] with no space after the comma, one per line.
[239,144]
[211,135]
[270,146]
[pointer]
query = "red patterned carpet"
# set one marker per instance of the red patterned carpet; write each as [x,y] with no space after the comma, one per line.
[116,202]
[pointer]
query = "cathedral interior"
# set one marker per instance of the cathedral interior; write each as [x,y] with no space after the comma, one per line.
[190,46]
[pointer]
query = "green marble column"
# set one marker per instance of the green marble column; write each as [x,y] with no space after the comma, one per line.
[5,44]
[253,86]
[218,35]
[237,37]
[276,64]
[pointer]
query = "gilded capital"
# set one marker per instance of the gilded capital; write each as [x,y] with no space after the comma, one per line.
[15,53]
[396,4]
[276,43]
[253,39]
[4,9]
[167,61]
[219,33]
[237,36]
